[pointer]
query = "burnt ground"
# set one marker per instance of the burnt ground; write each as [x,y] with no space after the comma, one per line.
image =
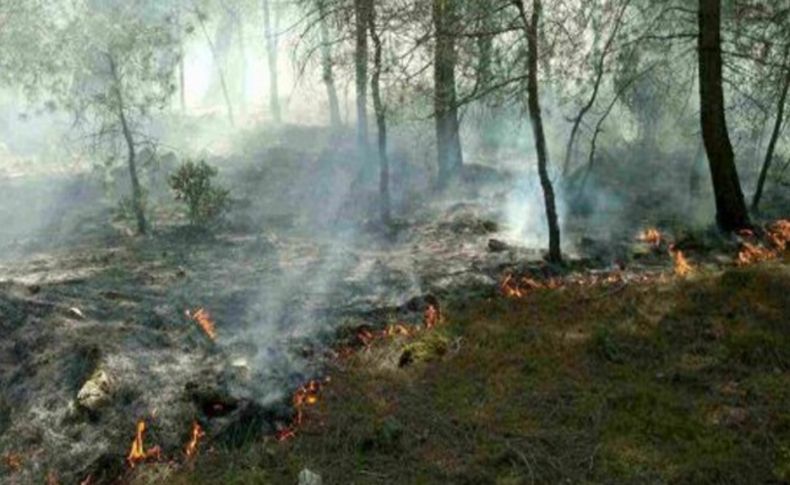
[95,335]
[667,380]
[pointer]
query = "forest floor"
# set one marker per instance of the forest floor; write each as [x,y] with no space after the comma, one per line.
[673,380]
[609,369]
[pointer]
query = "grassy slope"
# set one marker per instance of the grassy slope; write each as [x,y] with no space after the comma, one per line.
[682,382]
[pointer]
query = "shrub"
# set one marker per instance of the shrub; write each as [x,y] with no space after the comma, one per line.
[192,185]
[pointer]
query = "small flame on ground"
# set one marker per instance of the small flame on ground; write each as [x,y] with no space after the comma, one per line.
[306,395]
[651,236]
[138,454]
[192,447]
[518,288]
[13,462]
[431,317]
[682,266]
[203,318]
[776,234]
[752,253]
[779,234]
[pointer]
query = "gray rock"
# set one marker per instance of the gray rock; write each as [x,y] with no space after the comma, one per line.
[307,477]
[96,392]
[497,246]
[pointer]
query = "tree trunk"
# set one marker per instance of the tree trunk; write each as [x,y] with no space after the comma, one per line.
[769,154]
[536,119]
[181,64]
[381,123]
[137,193]
[361,14]
[731,214]
[448,139]
[220,71]
[335,121]
[242,99]
[271,56]
[182,81]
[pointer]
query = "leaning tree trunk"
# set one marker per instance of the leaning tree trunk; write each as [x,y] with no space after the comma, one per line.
[381,123]
[220,70]
[271,57]
[731,213]
[335,120]
[182,81]
[448,139]
[769,154]
[243,78]
[536,119]
[137,192]
[361,14]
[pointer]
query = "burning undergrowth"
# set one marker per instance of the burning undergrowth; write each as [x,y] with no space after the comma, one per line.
[161,350]
[148,351]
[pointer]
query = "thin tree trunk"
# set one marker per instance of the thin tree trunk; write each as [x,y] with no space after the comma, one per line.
[731,214]
[361,14]
[137,193]
[182,82]
[181,68]
[485,76]
[769,154]
[448,139]
[381,123]
[536,119]
[243,77]
[220,70]
[271,56]
[335,120]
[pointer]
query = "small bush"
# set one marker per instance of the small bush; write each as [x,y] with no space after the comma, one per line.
[192,185]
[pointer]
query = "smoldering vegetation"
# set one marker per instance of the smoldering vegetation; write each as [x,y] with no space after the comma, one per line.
[163,158]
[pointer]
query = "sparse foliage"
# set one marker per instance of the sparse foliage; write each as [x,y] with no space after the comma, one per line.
[205,201]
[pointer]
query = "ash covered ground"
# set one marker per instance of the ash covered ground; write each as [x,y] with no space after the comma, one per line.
[96,334]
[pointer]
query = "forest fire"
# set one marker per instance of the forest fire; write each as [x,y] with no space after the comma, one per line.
[306,395]
[777,236]
[203,318]
[682,267]
[192,446]
[752,254]
[13,462]
[138,453]
[651,236]
[431,317]
[518,288]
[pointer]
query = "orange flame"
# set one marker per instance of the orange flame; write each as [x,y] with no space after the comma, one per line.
[13,462]
[194,441]
[203,319]
[138,454]
[513,288]
[510,288]
[431,316]
[751,254]
[682,266]
[651,236]
[779,234]
[306,395]
[366,337]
